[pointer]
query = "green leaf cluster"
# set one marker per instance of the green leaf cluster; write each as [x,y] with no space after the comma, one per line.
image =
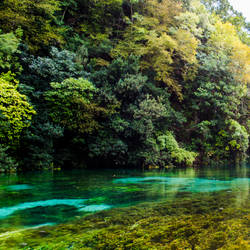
[16,112]
[72,105]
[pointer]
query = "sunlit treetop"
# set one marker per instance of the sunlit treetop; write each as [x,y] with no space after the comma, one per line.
[165,48]
[35,18]
[15,111]
[225,38]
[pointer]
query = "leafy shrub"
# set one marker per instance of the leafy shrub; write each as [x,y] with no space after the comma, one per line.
[180,155]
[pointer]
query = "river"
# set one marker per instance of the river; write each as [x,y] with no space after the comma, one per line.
[38,200]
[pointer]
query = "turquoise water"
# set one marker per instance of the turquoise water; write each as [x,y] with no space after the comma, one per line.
[49,198]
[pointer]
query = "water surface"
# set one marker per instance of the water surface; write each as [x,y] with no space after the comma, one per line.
[49,198]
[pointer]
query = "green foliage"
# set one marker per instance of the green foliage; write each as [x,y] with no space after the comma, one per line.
[235,137]
[224,9]
[43,134]
[34,18]
[9,43]
[143,110]
[16,112]
[58,66]
[180,155]
[130,71]
[72,105]
[161,51]
[149,112]
[218,90]
[7,163]
[239,136]
[225,39]
[94,19]
[109,146]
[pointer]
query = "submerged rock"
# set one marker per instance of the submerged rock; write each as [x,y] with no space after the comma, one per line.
[6,211]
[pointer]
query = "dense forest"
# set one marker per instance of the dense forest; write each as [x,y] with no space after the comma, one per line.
[135,83]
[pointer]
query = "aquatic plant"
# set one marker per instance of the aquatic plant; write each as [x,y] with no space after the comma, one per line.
[203,221]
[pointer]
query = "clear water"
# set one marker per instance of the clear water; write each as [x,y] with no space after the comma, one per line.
[49,198]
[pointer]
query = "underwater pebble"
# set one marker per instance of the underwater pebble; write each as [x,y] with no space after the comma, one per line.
[23,244]
[43,233]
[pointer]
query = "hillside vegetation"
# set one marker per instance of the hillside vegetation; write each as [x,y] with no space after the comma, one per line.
[138,83]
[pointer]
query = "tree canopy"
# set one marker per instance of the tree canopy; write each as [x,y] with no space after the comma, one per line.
[121,82]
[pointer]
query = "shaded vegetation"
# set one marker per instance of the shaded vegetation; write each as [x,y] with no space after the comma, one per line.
[118,82]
